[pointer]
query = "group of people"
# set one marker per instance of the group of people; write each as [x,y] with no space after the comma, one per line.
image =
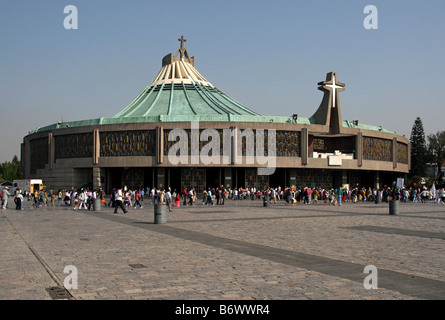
[83,198]
[424,195]
[39,198]
[130,198]
[304,195]
[122,198]
[307,195]
[125,198]
[165,196]
[338,196]
[79,199]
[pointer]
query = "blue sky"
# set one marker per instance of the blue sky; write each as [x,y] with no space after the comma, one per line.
[268,55]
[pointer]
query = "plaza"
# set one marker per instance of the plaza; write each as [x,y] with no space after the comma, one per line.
[239,251]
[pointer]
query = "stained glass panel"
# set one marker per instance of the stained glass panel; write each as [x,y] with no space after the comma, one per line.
[127,143]
[377,149]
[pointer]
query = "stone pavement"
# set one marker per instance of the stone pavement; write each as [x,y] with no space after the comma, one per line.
[239,251]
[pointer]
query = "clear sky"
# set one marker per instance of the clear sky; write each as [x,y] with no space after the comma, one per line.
[268,55]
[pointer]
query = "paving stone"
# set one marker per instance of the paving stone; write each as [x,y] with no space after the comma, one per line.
[238,251]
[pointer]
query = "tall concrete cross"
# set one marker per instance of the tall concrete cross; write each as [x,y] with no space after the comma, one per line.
[334,88]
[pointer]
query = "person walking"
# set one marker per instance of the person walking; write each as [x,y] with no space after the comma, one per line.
[153,195]
[177,200]
[209,197]
[168,200]
[91,198]
[5,197]
[137,199]
[119,203]
[340,195]
[112,201]
[60,198]
[18,200]
[191,196]
[161,196]
[141,195]
[287,196]
[273,196]
[82,199]
[184,196]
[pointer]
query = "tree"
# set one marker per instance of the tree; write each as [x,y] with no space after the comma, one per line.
[418,149]
[11,170]
[436,149]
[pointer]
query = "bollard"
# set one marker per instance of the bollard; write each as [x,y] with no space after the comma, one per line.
[394,207]
[160,213]
[266,201]
[96,204]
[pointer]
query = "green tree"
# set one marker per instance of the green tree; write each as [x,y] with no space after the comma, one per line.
[436,149]
[418,149]
[11,170]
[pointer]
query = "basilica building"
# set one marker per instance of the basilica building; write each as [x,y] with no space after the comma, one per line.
[182,131]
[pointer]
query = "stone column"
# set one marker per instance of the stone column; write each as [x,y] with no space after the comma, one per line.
[304,146]
[234,145]
[394,152]
[96,153]
[96,146]
[50,151]
[160,145]
[359,149]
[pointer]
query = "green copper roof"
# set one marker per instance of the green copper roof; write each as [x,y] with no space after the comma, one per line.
[350,124]
[181,99]
[174,118]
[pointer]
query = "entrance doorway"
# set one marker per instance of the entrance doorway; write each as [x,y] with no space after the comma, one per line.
[213,178]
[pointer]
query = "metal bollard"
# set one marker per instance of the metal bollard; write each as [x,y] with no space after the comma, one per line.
[394,207]
[160,211]
[97,204]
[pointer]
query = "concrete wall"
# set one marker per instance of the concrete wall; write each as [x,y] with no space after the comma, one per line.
[63,173]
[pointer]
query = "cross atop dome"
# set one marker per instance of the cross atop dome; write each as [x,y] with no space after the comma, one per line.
[182,42]
[182,50]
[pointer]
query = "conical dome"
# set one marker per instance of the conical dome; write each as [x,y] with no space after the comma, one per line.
[180,90]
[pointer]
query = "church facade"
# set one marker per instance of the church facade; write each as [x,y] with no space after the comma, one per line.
[181,131]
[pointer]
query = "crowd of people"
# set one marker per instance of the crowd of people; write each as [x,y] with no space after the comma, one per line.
[78,199]
[126,198]
[305,195]
[337,196]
